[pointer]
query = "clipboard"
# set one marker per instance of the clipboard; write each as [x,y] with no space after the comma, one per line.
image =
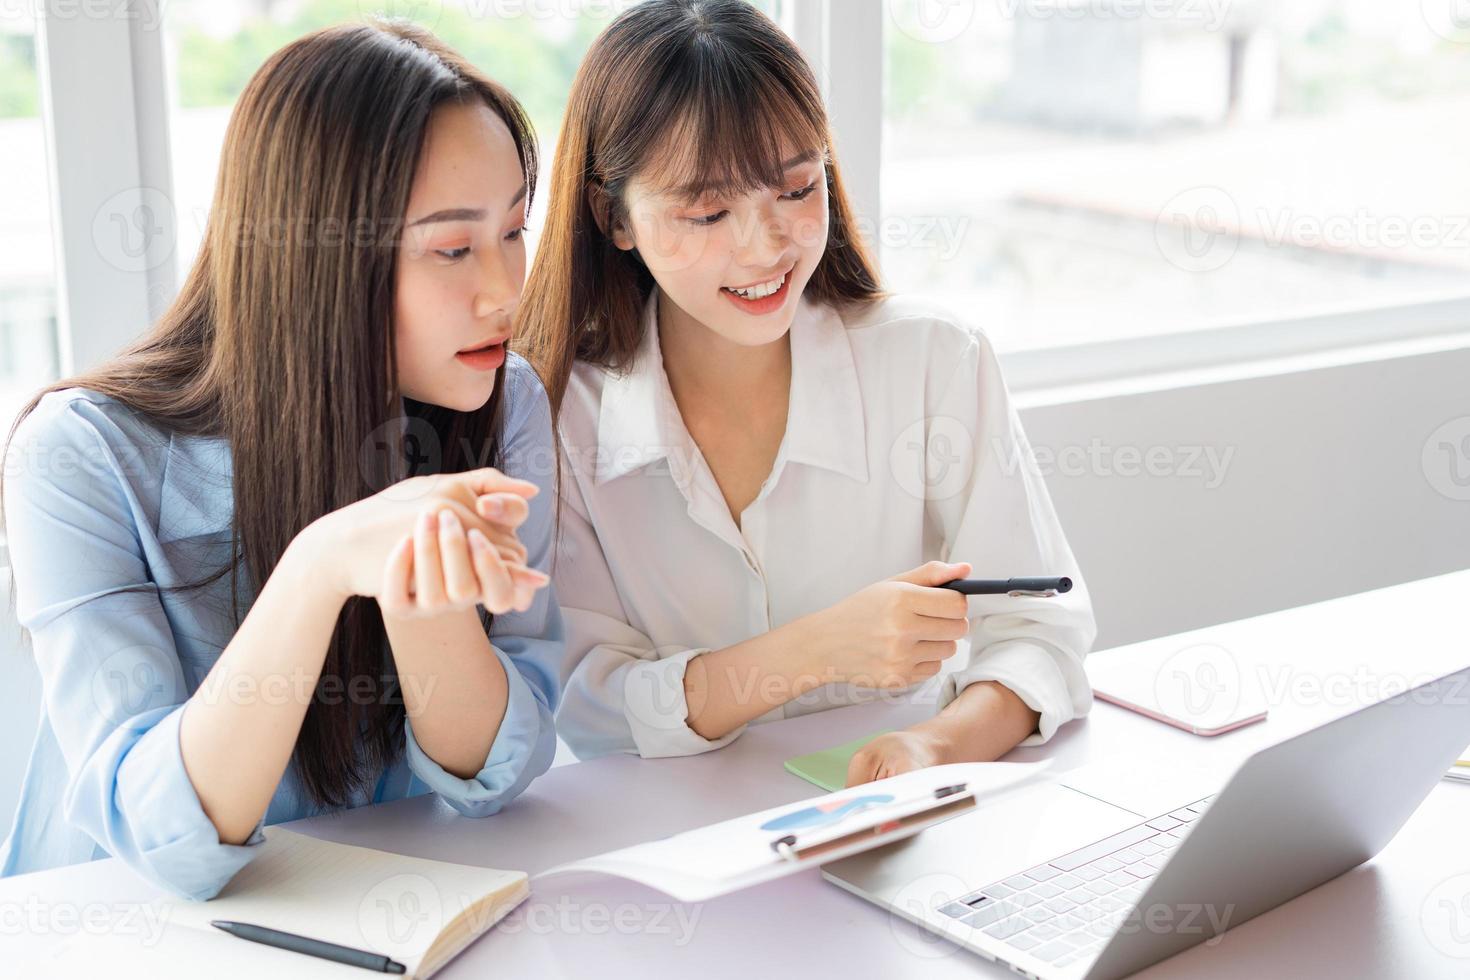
[882,822]
[734,854]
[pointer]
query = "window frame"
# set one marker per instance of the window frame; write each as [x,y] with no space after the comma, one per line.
[106,97]
[104,111]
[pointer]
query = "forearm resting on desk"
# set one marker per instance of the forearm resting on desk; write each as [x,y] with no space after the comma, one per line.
[982,724]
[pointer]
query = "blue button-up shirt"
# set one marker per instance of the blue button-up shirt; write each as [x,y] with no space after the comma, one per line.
[99,500]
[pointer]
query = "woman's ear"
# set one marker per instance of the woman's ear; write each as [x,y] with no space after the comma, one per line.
[599,202]
[623,238]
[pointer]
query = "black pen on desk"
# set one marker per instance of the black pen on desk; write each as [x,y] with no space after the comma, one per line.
[311,947]
[1044,587]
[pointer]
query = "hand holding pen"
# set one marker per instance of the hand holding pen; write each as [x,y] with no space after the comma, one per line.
[898,632]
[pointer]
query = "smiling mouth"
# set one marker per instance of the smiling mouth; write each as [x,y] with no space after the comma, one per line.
[759,290]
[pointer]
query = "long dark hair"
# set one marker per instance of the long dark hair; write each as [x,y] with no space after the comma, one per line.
[281,339]
[712,88]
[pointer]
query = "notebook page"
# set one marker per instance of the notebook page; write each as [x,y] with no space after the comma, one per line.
[355,896]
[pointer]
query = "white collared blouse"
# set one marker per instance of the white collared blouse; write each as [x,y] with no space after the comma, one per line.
[901,446]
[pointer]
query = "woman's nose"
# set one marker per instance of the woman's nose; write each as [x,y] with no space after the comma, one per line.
[498,290]
[765,242]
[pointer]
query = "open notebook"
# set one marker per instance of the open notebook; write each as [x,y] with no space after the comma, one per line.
[421,913]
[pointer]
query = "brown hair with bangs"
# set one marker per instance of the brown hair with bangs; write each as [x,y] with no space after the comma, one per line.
[672,88]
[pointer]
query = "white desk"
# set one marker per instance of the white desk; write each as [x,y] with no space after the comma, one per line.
[1369,923]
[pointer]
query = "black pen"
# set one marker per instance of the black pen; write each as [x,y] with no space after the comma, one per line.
[1044,587]
[311,947]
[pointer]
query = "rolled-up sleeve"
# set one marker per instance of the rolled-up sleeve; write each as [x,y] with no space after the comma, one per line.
[530,644]
[622,694]
[1002,521]
[112,682]
[524,746]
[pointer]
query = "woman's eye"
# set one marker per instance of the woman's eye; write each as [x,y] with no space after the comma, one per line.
[452,254]
[800,194]
[514,235]
[709,219]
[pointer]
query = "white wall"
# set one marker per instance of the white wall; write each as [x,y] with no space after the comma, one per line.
[1325,494]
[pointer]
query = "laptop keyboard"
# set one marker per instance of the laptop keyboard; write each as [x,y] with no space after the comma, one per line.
[1064,910]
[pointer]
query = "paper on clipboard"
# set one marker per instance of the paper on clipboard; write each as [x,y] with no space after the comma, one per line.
[735,854]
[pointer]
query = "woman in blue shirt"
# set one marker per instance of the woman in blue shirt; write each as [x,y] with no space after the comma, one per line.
[275,558]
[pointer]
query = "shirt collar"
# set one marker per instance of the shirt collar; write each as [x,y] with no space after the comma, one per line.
[639,421]
[826,425]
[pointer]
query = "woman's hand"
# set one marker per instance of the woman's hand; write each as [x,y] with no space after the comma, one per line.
[982,724]
[397,545]
[897,632]
[895,753]
[443,567]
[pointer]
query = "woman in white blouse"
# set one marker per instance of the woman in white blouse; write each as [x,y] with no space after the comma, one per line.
[768,464]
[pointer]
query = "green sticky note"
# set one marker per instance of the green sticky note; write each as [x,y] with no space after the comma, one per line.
[828,768]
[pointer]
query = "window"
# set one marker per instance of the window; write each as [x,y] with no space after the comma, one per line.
[532,47]
[1061,171]
[28,349]
[1067,171]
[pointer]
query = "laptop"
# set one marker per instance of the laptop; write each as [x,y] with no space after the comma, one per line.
[1060,882]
